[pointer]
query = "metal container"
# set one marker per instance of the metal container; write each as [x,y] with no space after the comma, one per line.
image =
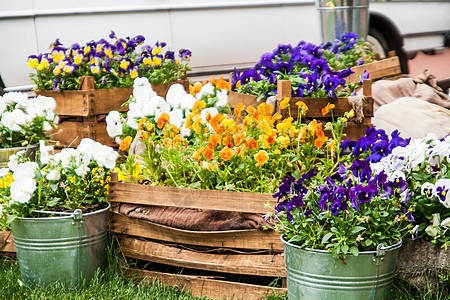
[343,16]
[315,274]
[67,249]
[5,153]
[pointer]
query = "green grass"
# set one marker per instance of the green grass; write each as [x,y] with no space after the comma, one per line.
[112,284]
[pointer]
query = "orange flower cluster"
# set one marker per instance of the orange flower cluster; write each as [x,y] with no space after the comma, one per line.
[220,84]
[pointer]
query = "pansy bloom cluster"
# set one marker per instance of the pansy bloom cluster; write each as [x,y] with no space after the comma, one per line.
[250,151]
[352,210]
[424,164]
[307,66]
[149,112]
[113,63]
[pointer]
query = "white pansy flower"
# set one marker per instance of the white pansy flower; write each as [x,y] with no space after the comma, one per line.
[175,95]
[186,132]
[207,89]
[4,172]
[148,107]
[176,117]
[396,176]
[446,222]
[22,189]
[2,105]
[114,124]
[25,169]
[188,102]
[67,157]
[142,89]
[15,97]
[106,157]
[132,118]
[13,119]
[204,113]
[54,174]
[82,170]
[431,231]
[1,209]
[44,150]
[377,167]
[427,189]
[223,98]
[13,162]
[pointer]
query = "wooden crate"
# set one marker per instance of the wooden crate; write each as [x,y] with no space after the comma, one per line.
[388,68]
[82,112]
[89,101]
[353,131]
[252,252]
[70,131]
[7,242]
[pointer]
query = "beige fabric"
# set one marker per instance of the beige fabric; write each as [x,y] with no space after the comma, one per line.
[424,87]
[413,117]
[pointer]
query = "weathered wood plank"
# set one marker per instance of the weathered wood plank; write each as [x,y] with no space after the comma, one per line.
[7,242]
[190,198]
[378,69]
[235,239]
[70,133]
[271,265]
[201,286]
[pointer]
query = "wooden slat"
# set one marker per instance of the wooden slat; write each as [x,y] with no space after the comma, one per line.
[234,98]
[379,69]
[70,133]
[238,239]
[271,265]
[89,101]
[190,198]
[205,286]
[7,242]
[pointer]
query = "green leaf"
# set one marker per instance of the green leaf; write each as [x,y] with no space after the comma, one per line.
[353,250]
[326,237]
[344,248]
[10,218]
[357,229]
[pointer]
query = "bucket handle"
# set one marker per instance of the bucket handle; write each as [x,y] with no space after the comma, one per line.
[77,214]
[381,252]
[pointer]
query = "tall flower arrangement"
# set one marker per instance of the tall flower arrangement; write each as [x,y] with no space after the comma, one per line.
[114,63]
[25,121]
[315,70]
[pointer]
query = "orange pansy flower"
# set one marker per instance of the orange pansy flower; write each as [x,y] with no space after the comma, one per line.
[208,152]
[251,143]
[125,143]
[239,138]
[214,139]
[195,88]
[227,141]
[222,84]
[167,142]
[198,106]
[141,123]
[285,102]
[163,120]
[261,158]
[226,153]
[327,108]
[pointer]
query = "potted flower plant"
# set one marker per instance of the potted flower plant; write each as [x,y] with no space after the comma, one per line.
[24,122]
[424,165]
[342,227]
[57,207]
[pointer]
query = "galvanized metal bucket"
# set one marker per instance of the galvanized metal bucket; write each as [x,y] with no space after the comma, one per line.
[5,153]
[68,249]
[343,16]
[315,274]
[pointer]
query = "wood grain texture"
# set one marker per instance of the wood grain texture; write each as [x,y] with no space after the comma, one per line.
[265,264]
[235,239]
[381,69]
[201,286]
[7,242]
[190,198]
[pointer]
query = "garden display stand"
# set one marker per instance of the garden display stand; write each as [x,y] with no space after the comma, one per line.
[82,112]
[215,263]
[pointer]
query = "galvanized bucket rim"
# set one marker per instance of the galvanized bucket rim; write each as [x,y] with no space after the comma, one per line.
[69,216]
[21,147]
[387,248]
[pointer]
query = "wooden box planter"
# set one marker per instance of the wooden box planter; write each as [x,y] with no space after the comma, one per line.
[233,253]
[353,130]
[82,112]
[388,68]
[7,242]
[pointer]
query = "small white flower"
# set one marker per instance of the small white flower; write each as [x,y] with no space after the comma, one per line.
[175,95]
[446,222]
[176,117]
[377,167]
[44,150]
[4,172]
[207,89]
[13,162]
[54,175]
[186,132]
[223,98]
[396,176]
[22,189]
[15,97]
[25,169]
[114,124]
[142,89]
[14,119]
[427,189]
[188,102]
[431,231]
[82,170]
[211,110]
[2,105]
